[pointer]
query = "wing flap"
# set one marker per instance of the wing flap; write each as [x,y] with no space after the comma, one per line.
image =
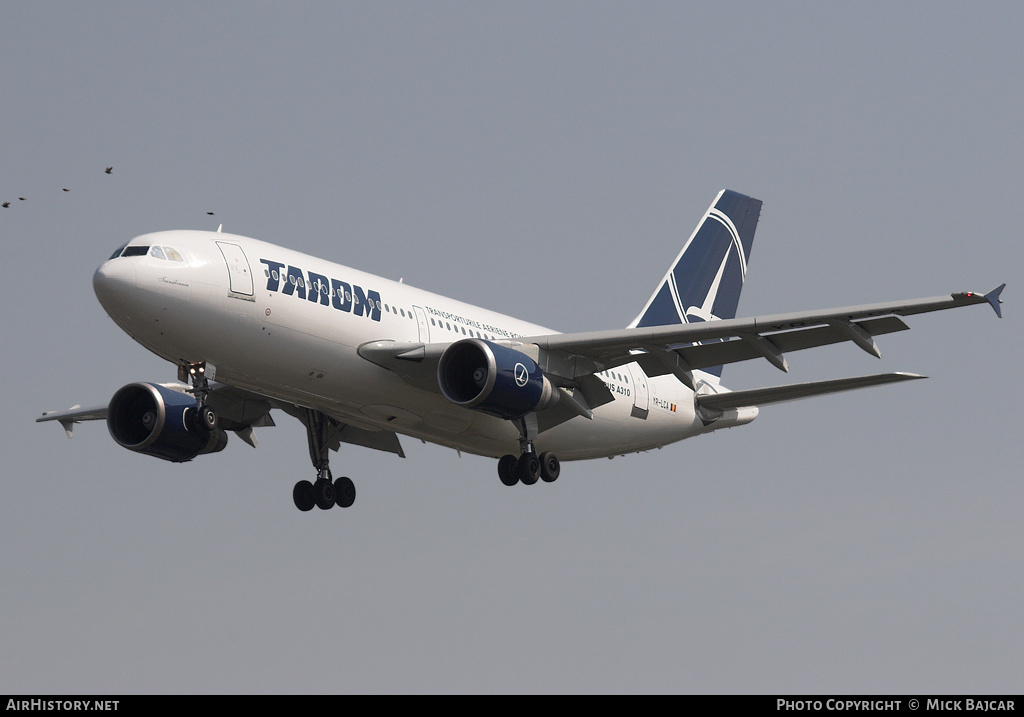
[386,441]
[733,351]
[731,340]
[343,430]
[792,392]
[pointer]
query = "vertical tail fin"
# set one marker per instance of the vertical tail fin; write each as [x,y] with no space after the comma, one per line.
[705,280]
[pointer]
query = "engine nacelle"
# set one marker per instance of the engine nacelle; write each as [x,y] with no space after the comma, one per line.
[158,421]
[493,379]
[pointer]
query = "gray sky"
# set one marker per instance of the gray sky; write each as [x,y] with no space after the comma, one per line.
[545,160]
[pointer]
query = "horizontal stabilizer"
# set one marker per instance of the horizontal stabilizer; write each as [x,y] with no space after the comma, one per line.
[791,392]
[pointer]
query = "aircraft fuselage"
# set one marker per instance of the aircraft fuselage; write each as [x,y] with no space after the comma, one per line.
[289,326]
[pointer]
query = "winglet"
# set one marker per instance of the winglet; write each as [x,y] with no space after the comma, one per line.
[994,300]
[973,297]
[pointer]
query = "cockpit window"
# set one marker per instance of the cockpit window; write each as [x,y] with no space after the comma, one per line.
[157,252]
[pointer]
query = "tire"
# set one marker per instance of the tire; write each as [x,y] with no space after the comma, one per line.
[323,494]
[528,468]
[344,492]
[507,470]
[207,418]
[302,494]
[550,467]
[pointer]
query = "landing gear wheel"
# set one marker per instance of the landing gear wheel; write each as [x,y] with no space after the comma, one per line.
[507,470]
[207,418]
[344,492]
[528,468]
[549,467]
[323,494]
[302,494]
[321,432]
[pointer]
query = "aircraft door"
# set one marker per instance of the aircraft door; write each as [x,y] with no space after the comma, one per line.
[641,395]
[421,324]
[239,273]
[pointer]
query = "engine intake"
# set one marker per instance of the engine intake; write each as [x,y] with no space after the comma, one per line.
[158,421]
[493,379]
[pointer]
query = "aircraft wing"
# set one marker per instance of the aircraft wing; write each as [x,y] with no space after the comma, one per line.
[240,411]
[678,349]
[681,348]
[573,360]
[75,414]
[236,408]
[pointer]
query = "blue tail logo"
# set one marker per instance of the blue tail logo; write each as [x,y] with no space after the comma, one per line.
[705,280]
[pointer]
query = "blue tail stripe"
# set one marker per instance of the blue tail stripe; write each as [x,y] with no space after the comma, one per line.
[744,212]
[697,270]
[705,282]
[662,311]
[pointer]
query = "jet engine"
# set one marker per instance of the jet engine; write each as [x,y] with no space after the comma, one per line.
[493,379]
[159,421]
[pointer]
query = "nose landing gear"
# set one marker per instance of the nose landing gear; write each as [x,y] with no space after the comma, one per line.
[199,374]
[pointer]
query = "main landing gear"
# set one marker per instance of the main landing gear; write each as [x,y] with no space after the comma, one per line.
[325,492]
[528,467]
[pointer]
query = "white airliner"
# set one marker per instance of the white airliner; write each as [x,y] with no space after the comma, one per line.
[360,359]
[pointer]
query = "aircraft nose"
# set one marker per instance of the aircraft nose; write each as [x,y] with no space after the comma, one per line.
[113,282]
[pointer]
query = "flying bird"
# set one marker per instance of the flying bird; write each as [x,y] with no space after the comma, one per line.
[22,198]
[108,170]
[66,189]
[6,204]
[210,213]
